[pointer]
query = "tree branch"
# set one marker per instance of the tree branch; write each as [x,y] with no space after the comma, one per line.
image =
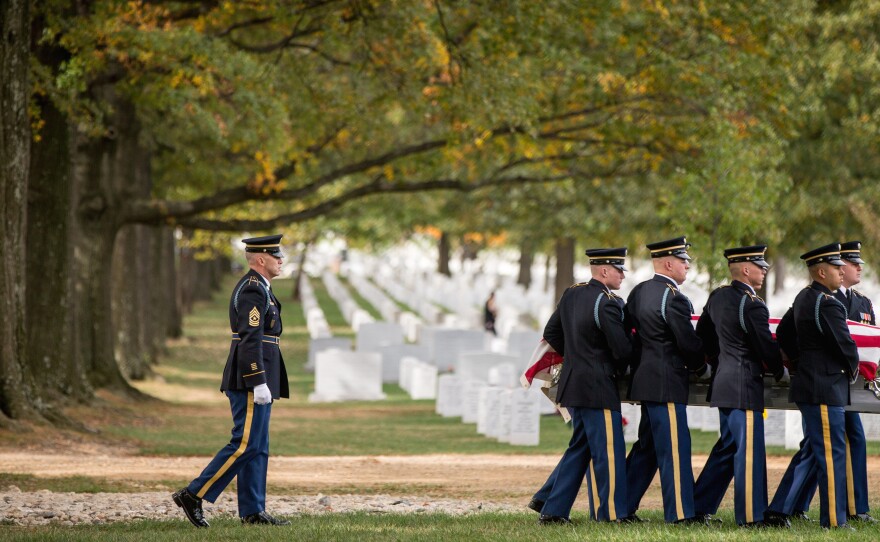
[378,186]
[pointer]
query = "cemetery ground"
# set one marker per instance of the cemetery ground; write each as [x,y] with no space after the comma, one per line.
[381,470]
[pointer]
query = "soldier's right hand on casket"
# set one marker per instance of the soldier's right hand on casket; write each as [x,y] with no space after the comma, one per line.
[262,395]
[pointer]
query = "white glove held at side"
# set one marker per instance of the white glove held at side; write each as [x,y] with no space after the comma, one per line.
[707,376]
[785,376]
[262,395]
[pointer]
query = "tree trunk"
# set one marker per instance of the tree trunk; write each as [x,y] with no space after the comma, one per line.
[15,152]
[443,255]
[98,183]
[50,314]
[133,274]
[168,281]
[564,265]
[526,258]
[547,259]
[300,270]
[778,270]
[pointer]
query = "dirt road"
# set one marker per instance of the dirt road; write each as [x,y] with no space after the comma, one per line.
[496,478]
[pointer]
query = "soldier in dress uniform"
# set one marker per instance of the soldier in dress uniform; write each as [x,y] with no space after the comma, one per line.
[735,328]
[667,349]
[800,485]
[587,328]
[827,362]
[254,376]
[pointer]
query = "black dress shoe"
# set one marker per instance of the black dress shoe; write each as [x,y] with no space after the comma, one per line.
[548,520]
[192,507]
[862,518]
[801,515]
[755,525]
[536,505]
[630,519]
[263,518]
[775,519]
[709,519]
[844,527]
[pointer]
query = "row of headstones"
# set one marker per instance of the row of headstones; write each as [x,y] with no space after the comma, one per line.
[460,350]
[509,415]
[386,307]
[316,322]
[428,311]
[351,311]
[781,427]
[409,321]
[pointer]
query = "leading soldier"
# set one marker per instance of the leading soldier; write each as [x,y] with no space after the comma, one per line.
[827,363]
[253,377]
[666,347]
[735,328]
[588,329]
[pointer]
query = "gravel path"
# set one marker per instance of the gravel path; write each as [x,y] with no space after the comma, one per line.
[45,507]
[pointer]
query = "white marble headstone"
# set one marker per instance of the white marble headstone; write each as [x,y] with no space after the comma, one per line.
[794,431]
[478,364]
[423,383]
[487,410]
[504,412]
[449,396]
[347,376]
[373,335]
[525,420]
[325,343]
[471,400]
[774,428]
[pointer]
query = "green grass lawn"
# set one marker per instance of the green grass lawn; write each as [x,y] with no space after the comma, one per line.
[365,527]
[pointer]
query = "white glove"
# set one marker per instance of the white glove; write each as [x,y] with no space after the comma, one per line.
[786,378]
[262,395]
[707,376]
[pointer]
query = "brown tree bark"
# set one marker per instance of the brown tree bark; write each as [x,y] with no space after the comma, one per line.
[526,258]
[443,255]
[15,150]
[58,373]
[778,271]
[564,265]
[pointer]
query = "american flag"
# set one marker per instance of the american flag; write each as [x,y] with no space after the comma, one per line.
[544,359]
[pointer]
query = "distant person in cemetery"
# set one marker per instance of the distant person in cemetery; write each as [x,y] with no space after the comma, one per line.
[587,328]
[735,329]
[490,311]
[254,376]
[827,361]
[667,349]
[801,479]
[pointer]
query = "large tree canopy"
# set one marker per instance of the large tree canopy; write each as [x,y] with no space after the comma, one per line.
[542,124]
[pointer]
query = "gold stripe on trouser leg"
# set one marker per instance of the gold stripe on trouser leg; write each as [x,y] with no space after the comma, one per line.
[246,433]
[676,468]
[829,465]
[750,467]
[609,443]
[595,488]
[850,486]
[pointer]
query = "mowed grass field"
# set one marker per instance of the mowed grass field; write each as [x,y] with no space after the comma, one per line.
[190,417]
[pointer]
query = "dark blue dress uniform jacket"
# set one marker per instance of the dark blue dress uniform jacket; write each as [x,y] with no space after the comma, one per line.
[255,355]
[734,327]
[858,307]
[666,344]
[587,329]
[828,356]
